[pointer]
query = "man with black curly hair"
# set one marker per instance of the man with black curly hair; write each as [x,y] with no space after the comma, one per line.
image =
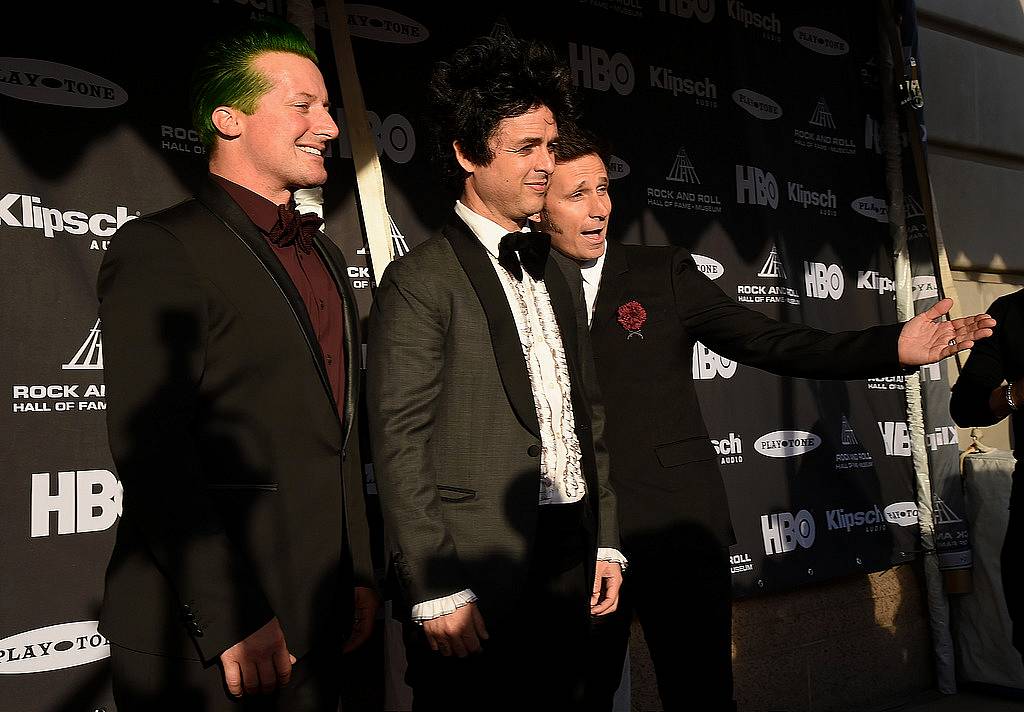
[484,421]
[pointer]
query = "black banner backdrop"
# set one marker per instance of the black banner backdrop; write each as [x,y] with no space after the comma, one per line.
[745,131]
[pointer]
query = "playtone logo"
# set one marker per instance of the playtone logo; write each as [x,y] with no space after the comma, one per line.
[54,647]
[617,168]
[757,105]
[593,68]
[783,532]
[708,365]
[902,514]
[787,443]
[703,10]
[712,269]
[871,207]
[383,25]
[821,41]
[83,501]
[45,82]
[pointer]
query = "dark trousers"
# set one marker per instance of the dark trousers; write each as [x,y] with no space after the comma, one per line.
[144,682]
[535,655]
[683,597]
[1010,558]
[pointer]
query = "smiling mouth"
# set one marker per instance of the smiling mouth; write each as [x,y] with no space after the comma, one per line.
[311,151]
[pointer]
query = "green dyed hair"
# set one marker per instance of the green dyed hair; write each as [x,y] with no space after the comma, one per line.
[224,75]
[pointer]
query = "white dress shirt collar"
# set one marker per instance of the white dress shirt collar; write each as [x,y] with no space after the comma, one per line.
[486,230]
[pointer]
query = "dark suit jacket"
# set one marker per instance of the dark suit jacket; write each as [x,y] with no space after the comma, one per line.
[242,484]
[456,445]
[663,465]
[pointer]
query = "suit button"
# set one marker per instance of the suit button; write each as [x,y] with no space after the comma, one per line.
[533,450]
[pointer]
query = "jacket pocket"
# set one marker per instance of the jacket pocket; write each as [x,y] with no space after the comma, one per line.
[684,451]
[447,493]
[234,487]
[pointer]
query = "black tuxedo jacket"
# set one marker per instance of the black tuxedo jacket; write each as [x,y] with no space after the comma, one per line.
[242,481]
[456,444]
[663,465]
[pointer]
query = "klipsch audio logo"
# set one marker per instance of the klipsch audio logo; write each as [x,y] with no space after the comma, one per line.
[680,189]
[383,25]
[80,501]
[702,91]
[783,532]
[822,134]
[769,293]
[757,105]
[729,449]
[787,443]
[394,136]
[712,269]
[805,197]
[821,41]
[66,397]
[594,68]
[871,520]
[823,281]
[27,211]
[875,282]
[46,82]
[702,10]
[54,647]
[708,365]
[769,26]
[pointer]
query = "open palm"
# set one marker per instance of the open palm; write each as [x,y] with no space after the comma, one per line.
[927,338]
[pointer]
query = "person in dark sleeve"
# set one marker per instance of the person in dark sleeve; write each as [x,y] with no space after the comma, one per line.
[991,387]
[673,513]
[241,568]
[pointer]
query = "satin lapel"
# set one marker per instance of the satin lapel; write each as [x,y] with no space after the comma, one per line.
[334,261]
[235,220]
[508,351]
[609,294]
[565,313]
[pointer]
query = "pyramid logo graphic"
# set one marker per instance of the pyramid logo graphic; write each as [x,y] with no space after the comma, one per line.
[502,29]
[822,116]
[772,267]
[912,208]
[401,247]
[846,434]
[90,355]
[682,169]
[943,514]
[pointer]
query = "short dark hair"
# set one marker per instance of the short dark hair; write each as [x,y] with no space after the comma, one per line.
[576,141]
[224,75]
[493,78]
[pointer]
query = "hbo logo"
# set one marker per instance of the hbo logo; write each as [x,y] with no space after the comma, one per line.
[85,501]
[782,532]
[394,136]
[756,187]
[707,364]
[594,69]
[823,281]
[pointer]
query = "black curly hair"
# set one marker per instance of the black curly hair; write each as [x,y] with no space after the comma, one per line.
[493,78]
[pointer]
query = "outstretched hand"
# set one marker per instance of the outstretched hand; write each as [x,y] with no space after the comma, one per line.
[925,339]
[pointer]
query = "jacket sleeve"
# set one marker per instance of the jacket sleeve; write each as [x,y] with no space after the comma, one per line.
[751,338]
[156,323]
[984,371]
[404,374]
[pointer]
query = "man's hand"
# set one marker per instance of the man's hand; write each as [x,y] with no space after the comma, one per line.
[260,663]
[607,581]
[924,341]
[458,633]
[366,605]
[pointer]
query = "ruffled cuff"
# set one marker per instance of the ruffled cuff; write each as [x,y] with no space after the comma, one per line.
[428,610]
[608,554]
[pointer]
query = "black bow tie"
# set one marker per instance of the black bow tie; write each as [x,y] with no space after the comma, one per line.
[295,228]
[533,248]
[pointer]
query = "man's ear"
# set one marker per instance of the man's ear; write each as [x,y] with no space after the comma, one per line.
[467,165]
[228,121]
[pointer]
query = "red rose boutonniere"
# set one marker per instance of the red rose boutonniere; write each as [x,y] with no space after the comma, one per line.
[632,316]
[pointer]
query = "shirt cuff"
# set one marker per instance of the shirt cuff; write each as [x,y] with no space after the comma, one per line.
[608,554]
[437,607]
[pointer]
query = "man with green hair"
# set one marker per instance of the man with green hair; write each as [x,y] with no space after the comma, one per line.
[241,570]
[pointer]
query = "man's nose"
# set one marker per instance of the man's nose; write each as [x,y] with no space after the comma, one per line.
[326,126]
[546,162]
